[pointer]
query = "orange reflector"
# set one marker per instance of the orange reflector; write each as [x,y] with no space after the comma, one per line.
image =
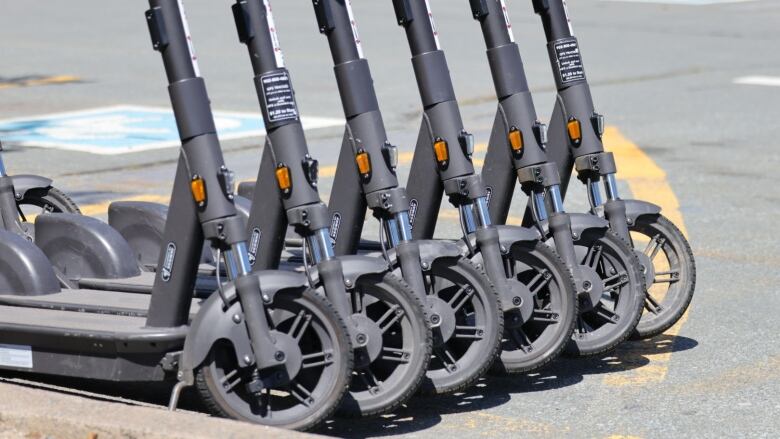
[516,140]
[198,188]
[283,178]
[441,150]
[363,163]
[575,130]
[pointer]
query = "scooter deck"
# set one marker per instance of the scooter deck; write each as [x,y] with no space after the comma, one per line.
[142,284]
[89,301]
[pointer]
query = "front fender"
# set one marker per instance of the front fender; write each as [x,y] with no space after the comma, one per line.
[634,210]
[213,322]
[26,182]
[507,235]
[581,222]
[433,249]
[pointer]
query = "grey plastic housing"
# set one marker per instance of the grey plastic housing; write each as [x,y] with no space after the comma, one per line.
[80,246]
[24,268]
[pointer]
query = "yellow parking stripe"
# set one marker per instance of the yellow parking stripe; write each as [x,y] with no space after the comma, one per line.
[50,80]
[647,181]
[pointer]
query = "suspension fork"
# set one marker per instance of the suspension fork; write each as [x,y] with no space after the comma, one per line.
[367,159]
[210,184]
[446,147]
[575,116]
[293,171]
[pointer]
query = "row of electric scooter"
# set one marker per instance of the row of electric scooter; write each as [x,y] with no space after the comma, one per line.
[198,292]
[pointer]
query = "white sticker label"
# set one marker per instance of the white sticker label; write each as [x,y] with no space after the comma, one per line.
[508,22]
[18,356]
[355,34]
[269,15]
[433,25]
[189,39]
[568,20]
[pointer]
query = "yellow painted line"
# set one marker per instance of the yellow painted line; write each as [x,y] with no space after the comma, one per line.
[102,208]
[51,80]
[647,181]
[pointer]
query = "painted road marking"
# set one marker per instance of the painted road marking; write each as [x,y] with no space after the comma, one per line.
[769,81]
[124,129]
[683,2]
[31,81]
[647,181]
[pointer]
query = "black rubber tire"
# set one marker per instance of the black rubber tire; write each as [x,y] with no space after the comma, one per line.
[680,293]
[607,336]
[325,322]
[399,387]
[484,306]
[51,200]
[546,342]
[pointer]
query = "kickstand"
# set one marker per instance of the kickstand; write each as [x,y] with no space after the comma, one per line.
[175,395]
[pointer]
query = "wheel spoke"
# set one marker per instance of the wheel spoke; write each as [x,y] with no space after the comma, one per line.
[226,382]
[318,359]
[395,355]
[617,280]
[469,332]
[390,317]
[539,281]
[544,316]
[654,246]
[301,393]
[445,356]
[652,305]
[466,291]
[300,324]
[369,379]
[593,257]
[521,339]
[668,277]
[357,303]
[606,315]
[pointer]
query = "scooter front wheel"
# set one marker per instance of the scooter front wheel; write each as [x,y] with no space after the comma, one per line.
[322,364]
[394,345]
[467,324]
[618,288]
[536,333]
[670,273]
[45,200]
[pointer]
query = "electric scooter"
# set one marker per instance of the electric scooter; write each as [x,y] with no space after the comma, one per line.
[24,197]
[536,288]
[464,309]
[265,348]
[576,143]
[607,273]
[385,318]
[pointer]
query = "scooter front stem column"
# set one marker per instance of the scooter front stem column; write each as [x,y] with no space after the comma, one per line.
[615,212]
[594,189]
[556,199]
[237,261]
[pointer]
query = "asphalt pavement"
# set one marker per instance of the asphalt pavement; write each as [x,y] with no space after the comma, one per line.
[687,83]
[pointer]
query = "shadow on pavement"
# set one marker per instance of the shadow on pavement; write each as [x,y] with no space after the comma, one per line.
[423,412]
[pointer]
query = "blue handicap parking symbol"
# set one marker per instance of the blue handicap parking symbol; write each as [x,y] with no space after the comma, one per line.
[123,129]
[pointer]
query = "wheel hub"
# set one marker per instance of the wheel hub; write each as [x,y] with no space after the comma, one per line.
[521,299]
[287,349]
[367,340]
[442,319]
[648,270]
[590,288]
